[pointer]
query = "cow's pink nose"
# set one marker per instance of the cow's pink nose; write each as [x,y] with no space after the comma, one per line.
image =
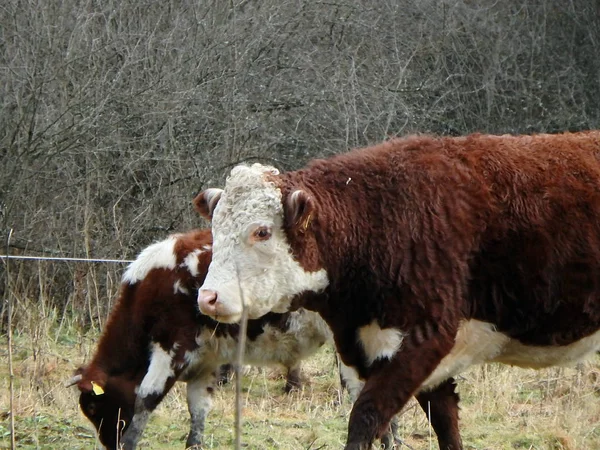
[207,302]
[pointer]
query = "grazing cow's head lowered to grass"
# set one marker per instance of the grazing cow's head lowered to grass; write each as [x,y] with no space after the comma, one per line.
[107,402]
[252,260]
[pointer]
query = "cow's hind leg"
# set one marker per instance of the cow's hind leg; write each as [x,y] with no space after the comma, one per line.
[390,439]
[224,374]
[292,379]
[199,399]
[441,407]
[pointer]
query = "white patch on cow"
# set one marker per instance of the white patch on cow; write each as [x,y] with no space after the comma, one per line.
[159,371]
[191,360]
[179,288]
[160,255]
[475,343]
[536,357]
[309,326]
[478,342]
[379,343]
[207,247]
[191,262]
[353,382]
[306,333]
[263,274]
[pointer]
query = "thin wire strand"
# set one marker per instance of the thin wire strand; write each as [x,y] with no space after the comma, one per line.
[59,258]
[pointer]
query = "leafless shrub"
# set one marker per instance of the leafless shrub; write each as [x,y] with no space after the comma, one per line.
[114,114]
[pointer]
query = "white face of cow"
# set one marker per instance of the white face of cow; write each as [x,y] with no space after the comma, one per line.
[252,262]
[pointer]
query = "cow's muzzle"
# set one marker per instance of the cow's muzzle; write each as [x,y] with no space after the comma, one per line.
[208,302]
[219,309]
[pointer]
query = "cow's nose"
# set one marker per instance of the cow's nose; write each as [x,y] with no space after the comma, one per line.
[207,302]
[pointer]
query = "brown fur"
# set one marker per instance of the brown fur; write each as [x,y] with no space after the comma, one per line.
[149,311]
[423,232]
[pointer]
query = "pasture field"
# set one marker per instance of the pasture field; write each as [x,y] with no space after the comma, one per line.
[502,408]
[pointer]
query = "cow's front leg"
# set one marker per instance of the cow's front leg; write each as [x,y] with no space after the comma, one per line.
[349,378]
[144,405]
[441,407]
[157,382]
[139,420]
[292,378]
[389,386]
[199,399]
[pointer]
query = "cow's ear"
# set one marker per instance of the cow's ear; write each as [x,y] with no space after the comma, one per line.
[91,387]
[299,210]
[206,202]
[89,380]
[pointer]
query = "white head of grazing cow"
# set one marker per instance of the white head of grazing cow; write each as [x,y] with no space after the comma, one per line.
[252,260]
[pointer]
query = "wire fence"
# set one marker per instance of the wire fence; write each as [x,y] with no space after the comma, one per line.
[9,301]
[75,290]
[67,259]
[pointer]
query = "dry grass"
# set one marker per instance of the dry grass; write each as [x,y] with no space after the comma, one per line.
[502,408]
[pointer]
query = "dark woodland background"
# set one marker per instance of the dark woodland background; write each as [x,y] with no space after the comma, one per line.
[114,114]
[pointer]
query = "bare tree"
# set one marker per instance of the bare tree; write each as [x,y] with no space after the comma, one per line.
[114,114]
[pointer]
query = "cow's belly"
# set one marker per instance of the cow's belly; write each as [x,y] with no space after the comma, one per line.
[477,342]
[517,354]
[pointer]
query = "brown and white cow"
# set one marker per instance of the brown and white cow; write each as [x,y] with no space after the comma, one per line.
[156,336]
[429,255]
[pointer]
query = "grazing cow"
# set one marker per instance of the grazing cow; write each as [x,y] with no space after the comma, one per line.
[427,255]
[156,336]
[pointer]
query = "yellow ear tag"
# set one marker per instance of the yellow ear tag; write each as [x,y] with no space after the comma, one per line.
[307,222]
[97,389]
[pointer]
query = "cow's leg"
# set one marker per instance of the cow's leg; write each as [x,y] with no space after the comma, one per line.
[389,386]
[341,368]
[390,438]
[441,407]
[139,420]
[143,408]
[199,399]
[349,379]
[292,379]
[157,382]
[225,372]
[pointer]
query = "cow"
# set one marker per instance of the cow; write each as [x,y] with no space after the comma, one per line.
[156,336]
[425,255]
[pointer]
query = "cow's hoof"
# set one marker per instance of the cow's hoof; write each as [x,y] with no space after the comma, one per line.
[358,446]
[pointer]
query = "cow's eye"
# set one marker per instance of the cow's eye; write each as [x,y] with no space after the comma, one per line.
[261,234]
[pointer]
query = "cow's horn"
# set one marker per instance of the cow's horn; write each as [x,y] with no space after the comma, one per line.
[76,379]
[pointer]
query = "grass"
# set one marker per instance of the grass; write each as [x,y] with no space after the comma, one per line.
[502,408]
